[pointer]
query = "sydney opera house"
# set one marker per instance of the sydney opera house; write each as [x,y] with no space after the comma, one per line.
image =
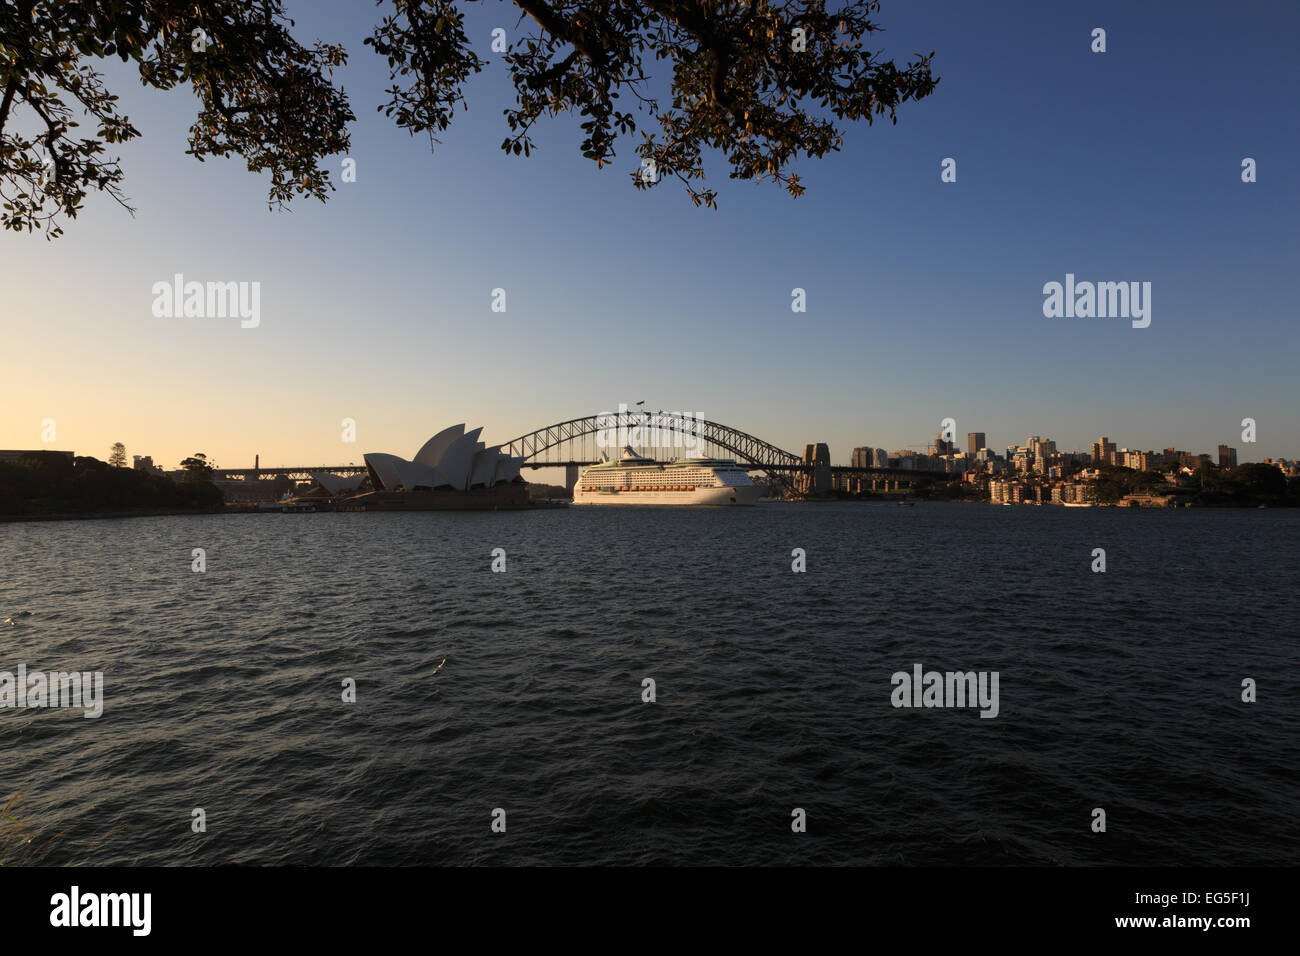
[453,469]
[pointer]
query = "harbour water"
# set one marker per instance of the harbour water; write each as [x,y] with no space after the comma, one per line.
[223,688]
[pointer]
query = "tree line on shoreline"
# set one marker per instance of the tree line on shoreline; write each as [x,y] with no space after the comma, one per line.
[50,483]
[1246,485]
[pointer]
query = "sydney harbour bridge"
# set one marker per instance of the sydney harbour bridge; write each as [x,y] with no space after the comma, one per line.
[579,442]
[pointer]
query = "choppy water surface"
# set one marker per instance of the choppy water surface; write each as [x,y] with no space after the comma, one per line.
[223,689]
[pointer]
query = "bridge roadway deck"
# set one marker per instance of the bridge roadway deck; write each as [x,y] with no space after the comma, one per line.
[304,473]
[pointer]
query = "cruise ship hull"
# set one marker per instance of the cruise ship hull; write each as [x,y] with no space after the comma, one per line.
[633,480]
[721,495]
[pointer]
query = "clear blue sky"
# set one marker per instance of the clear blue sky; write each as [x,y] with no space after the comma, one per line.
[924,298]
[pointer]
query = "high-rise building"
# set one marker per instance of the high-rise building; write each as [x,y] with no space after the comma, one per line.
[1041,451]
[1103,451]
[867,457]
[974,442]
[1227,457]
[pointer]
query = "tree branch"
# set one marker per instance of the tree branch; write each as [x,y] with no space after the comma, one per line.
[10,89]
[693,20]
[563,29]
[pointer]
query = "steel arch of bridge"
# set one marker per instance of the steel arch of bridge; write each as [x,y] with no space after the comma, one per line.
[745,448]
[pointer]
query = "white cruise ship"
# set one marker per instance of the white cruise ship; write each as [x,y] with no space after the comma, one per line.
[633,480]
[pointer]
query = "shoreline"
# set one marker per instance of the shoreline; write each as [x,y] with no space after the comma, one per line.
[104,515]
[178,512]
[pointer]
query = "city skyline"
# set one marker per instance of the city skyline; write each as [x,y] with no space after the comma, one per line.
[1239,451]
[924,298]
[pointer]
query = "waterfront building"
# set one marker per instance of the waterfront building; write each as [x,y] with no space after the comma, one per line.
[331,484]
[250,490]
[1072,493]
[452,460]
[1010,492]
[145,463]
